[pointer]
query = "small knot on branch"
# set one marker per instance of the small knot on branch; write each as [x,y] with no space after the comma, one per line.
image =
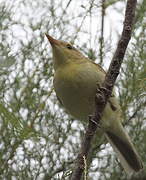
[80,160]
[128,28]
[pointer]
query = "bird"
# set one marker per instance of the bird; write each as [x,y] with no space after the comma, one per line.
[76,79]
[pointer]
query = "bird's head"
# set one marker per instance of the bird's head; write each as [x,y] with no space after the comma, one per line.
[63,52]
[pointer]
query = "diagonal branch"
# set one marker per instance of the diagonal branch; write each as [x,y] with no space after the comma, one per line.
[104,92]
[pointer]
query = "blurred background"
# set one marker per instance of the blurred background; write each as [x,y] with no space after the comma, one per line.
[38,139]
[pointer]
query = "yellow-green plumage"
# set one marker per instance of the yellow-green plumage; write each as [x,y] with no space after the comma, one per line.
[76,79]
[75,85]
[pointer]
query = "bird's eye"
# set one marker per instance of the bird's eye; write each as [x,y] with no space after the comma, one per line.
[69,46]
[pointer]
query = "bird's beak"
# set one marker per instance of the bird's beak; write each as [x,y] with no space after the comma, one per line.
[52,40]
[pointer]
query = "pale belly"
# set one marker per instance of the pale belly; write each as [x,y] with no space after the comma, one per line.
[77,98]
[77,90]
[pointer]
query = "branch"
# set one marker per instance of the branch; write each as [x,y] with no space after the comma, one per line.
[104,92]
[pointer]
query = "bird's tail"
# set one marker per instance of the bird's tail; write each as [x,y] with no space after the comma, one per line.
[126,152]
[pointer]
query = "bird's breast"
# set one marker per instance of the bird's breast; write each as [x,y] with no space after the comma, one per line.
[76,87]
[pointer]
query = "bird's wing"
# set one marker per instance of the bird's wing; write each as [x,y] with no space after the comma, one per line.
[99,67]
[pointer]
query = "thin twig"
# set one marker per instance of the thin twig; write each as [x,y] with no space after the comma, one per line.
[102,32]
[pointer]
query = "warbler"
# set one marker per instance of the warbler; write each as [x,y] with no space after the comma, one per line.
[76,79]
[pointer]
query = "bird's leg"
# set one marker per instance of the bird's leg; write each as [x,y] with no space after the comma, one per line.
[99,94]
